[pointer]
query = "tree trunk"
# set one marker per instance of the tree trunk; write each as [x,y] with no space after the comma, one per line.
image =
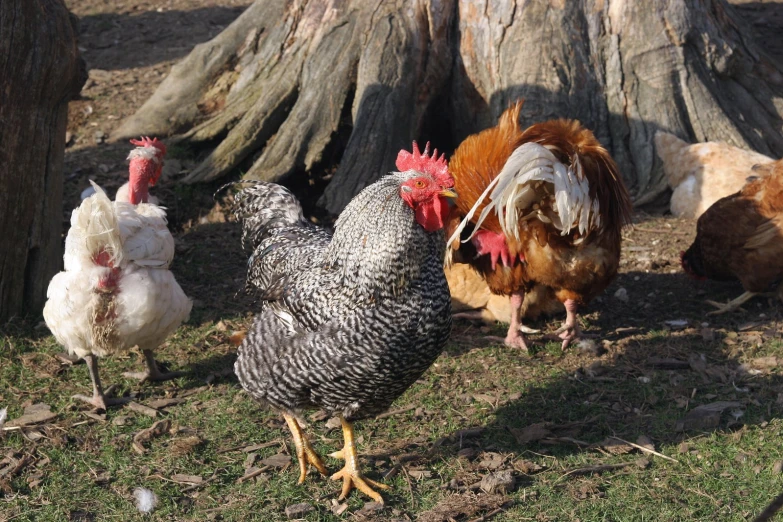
[274,90]
[40,70]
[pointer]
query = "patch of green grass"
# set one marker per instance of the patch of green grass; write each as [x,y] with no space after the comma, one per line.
[477,401]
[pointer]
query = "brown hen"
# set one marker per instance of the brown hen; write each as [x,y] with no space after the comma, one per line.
[741,237]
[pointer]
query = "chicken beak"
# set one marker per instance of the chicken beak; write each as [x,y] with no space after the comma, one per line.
[449,193]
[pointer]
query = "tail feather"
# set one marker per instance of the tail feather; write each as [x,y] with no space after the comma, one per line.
[263,207]
[514,190]
[95,224]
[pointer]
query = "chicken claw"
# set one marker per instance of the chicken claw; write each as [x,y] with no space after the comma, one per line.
[732,305]
[304,451]
[101,398]
[350,474]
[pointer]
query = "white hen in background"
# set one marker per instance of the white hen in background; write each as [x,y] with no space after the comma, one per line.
[702,173]
[116,291]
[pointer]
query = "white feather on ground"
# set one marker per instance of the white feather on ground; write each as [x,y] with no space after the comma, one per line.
[146,500]
[702,173]
[3,417]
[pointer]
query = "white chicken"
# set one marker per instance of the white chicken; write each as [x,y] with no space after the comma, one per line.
[116,291]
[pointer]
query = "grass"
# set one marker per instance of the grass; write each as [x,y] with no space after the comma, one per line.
[87,470]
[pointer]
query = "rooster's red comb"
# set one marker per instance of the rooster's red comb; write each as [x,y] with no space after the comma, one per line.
[433,165]
[145,141]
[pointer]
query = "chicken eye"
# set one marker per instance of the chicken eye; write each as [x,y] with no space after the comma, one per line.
[419,184]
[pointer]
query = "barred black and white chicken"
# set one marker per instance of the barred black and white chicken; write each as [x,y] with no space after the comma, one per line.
[349,320]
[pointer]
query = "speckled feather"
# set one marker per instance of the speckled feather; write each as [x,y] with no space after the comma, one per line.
[349,321]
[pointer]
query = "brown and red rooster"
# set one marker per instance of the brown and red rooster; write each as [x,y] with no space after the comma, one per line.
[541,206]
[741,237]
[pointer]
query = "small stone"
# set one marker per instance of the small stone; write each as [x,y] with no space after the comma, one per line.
[777,467]
[298,510]
[498,481]
[621,295]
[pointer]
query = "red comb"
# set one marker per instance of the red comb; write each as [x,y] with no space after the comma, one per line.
[432,165]
[145,141]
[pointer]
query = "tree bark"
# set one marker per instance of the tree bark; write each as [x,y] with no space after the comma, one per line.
[40,70]
[274,100]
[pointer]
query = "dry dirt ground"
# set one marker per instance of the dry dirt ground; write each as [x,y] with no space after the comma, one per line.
[649,320]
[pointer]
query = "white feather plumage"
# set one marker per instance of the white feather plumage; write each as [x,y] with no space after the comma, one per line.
[513,193]
[148,304]
[146,500]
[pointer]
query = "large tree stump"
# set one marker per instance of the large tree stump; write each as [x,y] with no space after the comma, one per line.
[40,71]
[272,92]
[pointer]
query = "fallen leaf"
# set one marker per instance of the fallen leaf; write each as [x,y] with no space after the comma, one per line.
[491,461]
[319,416]
[165,403]
[146,435]
[187,479]
[645,442]
[704,417]
[419,474]
[279,460]
[498,482]
[333,423]
[527,467]
[298,510]
[369,509]
[463,506]
[35,414]
[615,447]
[467,453]
[765,362]
[532,433]
[337,508]
[184,445]
[144,410]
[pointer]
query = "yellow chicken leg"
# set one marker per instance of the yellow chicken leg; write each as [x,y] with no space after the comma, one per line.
[304,451]
[350,472]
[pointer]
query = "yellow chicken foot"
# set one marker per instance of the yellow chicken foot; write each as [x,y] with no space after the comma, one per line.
[152,373]
[304,451]
[100,399]
[350,473]
[731,305]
